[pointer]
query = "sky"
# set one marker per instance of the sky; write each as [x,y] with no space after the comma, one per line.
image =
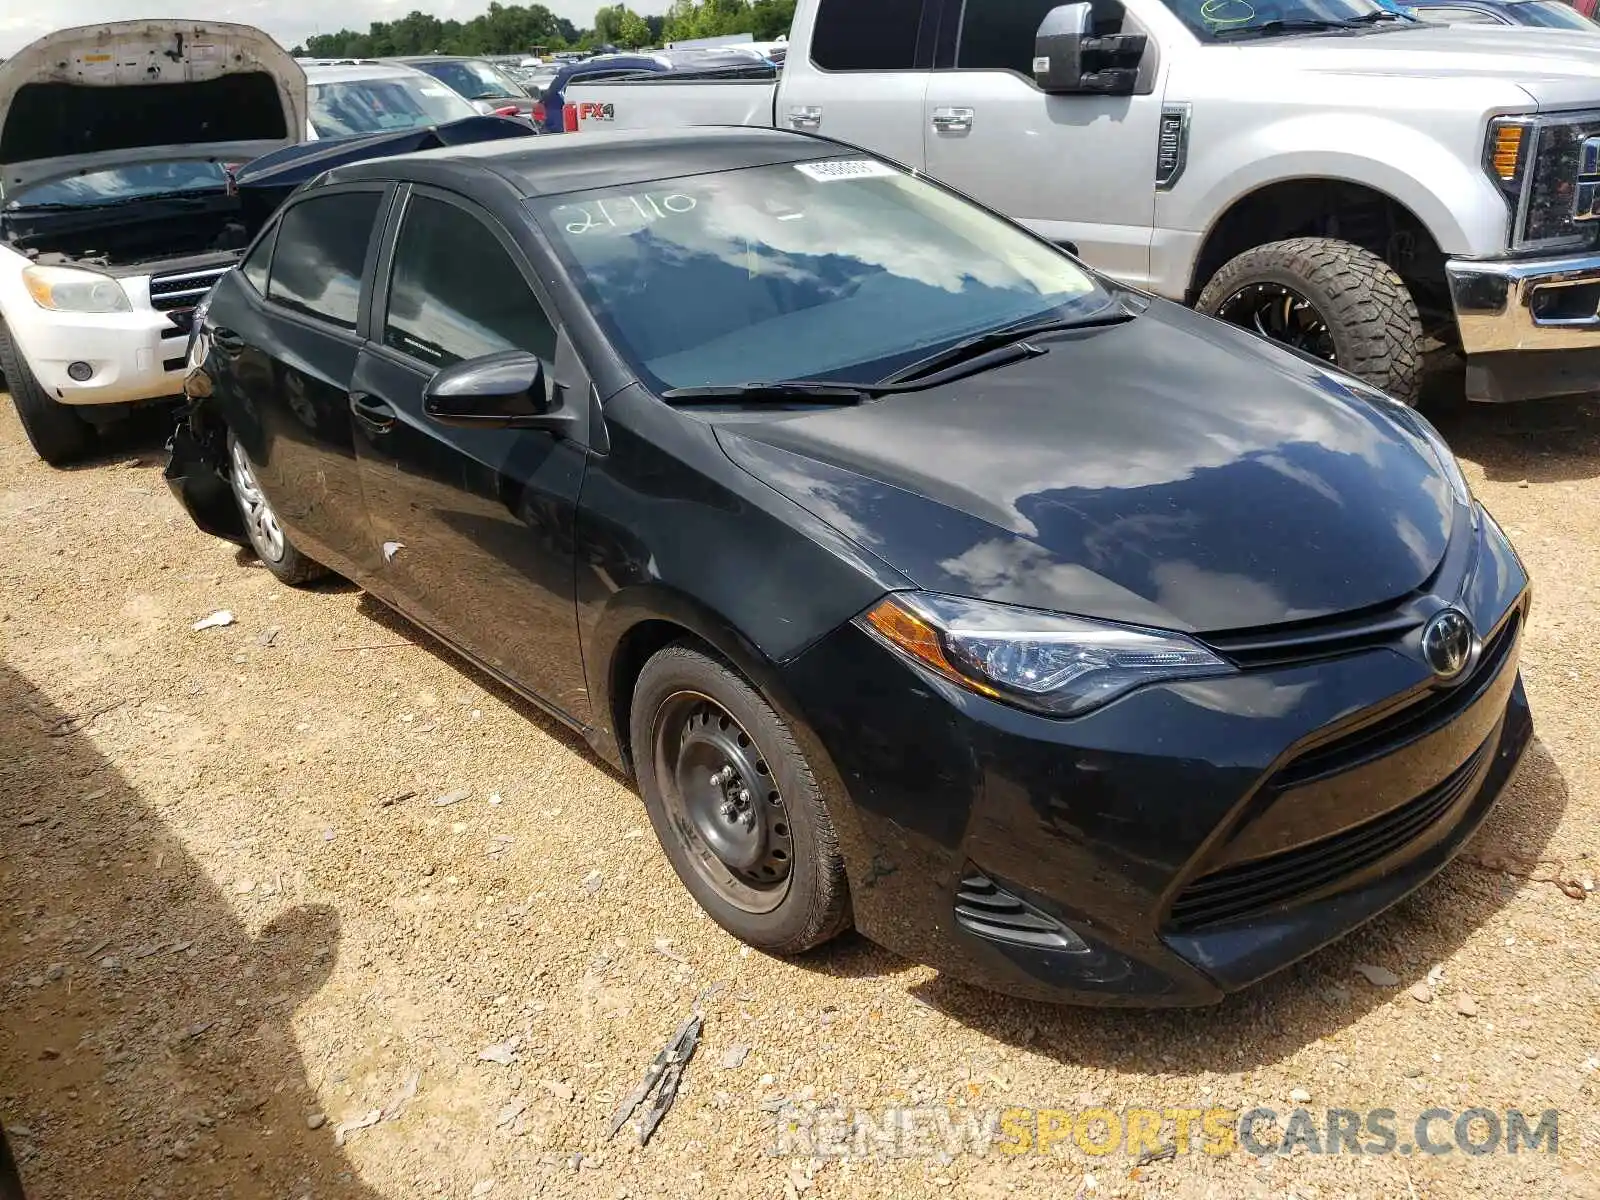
[290,21]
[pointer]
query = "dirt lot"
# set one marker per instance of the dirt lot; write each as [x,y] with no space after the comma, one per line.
[218,944]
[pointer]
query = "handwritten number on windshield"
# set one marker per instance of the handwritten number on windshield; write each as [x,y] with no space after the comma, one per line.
[625,212]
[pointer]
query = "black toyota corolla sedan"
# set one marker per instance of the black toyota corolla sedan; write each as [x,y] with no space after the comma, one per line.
[1076,644]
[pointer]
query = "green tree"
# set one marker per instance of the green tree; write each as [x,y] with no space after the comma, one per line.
[632,32]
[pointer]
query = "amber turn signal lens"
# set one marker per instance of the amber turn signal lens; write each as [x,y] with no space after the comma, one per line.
[1507,151]
[917,639]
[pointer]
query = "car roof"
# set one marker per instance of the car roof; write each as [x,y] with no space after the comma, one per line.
[329,73]
[429,58]
[551,166]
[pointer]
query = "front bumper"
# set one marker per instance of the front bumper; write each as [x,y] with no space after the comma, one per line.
[132,356]
[1528,327]
[1179,844]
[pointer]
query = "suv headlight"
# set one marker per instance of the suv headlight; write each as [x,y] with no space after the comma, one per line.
[66,290]
[1044,661]
[1538,164]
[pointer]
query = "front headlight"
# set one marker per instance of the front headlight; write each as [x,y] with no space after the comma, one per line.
[1539,165]
[65,290]
[1045,661]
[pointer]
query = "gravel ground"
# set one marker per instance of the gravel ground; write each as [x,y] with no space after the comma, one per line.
[234,963]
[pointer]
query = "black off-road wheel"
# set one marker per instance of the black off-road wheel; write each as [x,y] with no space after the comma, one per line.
[1330,299]
[735,806]
[261,525]
[58,434]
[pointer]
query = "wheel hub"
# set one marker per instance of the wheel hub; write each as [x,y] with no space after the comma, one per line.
[1281,314]
[724,802]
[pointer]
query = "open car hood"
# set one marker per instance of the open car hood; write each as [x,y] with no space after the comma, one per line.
[206,88]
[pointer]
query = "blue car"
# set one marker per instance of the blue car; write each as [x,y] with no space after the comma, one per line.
[1546,14]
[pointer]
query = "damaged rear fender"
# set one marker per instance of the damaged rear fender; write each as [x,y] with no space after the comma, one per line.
[197,473]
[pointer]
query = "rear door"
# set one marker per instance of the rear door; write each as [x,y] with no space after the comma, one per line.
[474,527]
[292,355]
[865,77]
[1079,169]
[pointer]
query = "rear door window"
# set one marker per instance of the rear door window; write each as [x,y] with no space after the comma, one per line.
[320,256]
[455,292]
[852,35]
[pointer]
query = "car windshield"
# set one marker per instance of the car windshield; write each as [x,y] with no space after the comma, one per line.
[378,105]
[1551,14]
[473,79]
[843,269]
[1224,20]
[122,183]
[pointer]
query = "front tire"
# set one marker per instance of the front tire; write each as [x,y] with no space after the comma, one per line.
[261,525]
[1331,299]
[735,806]
[58,434]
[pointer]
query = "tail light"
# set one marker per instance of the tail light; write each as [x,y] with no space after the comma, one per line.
[509,110]
[538,112]
[569,117]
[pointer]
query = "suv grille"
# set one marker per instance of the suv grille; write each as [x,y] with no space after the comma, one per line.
[177,293]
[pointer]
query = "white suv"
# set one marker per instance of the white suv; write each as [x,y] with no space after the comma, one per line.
[115,210]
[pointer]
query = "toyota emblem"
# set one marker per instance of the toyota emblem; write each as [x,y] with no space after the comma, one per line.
[1448,641]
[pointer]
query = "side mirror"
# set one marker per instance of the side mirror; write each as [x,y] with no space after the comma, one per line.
[1069,59]
[498,391]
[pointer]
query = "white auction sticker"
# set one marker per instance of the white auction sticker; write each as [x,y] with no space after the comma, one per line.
[833,170]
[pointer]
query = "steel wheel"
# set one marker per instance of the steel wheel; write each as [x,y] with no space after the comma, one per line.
[1282,314]
[262,521]
[723,802]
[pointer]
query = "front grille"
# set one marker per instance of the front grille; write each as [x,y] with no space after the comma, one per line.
[1314,641]
[985,908]
[1431,710]
[1258,887]
[179,291]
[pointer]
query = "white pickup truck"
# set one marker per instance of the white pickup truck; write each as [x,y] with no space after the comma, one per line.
[1332,173]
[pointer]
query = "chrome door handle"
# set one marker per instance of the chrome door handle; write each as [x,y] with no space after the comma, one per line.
[805,116]
[953,120]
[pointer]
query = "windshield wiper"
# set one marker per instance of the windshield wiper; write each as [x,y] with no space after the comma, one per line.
[1287,25]
[808,390]
[1006,337]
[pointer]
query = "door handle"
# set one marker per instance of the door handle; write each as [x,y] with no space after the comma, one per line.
[227,341]
[953,120]
[805,116]
[372,412]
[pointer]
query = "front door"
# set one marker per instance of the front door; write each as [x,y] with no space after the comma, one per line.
[1079,169]
[473,527]
[865,77]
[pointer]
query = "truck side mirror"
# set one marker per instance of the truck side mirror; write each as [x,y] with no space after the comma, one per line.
[1068,58]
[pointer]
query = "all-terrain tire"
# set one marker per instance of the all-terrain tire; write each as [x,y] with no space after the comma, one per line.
[59,435]
[1371,314]
[816,907]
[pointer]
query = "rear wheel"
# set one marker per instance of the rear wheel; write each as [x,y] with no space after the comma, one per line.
[58,434]
[1329,299]
[261,525]
[735,805]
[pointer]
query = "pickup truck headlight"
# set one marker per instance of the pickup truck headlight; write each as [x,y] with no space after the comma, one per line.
[1051,663]
[1538,164]
[65,290]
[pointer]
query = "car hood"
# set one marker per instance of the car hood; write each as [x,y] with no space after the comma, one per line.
[1555,67]
[1170,471]
[67,102]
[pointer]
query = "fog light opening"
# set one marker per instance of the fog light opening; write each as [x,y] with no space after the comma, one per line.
[81,372]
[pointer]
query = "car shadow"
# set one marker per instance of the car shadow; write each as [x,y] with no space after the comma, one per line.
[1540,441]
[1310,1000]
[137,440]
[146,1047]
